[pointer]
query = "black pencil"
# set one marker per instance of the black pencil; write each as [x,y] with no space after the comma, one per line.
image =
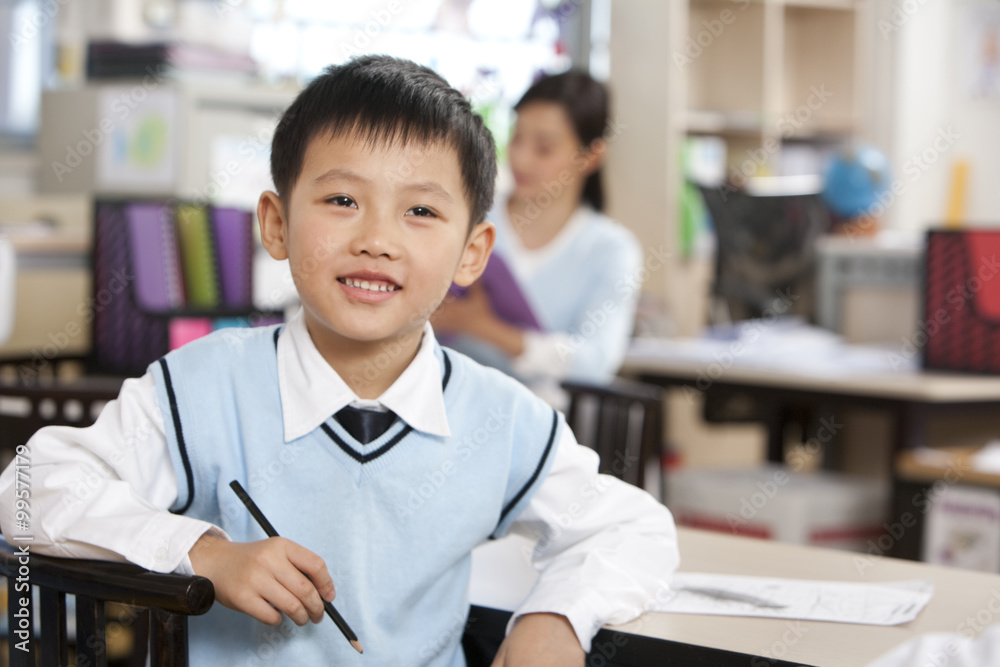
[331,611]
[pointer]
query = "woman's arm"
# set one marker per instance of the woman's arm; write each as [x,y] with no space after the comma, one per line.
[594,345]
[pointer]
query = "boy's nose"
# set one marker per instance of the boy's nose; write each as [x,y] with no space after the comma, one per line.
[375,236]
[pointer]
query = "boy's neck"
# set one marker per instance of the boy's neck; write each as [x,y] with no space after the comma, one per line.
[535,225]
[369,368]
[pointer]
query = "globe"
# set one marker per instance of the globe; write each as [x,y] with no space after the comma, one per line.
[855,180]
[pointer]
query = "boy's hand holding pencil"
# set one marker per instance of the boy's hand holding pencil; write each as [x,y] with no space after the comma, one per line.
[265,579]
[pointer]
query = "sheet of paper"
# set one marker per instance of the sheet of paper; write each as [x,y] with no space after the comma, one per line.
[782,345]
[728,595]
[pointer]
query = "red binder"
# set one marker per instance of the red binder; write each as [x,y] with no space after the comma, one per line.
[961,319]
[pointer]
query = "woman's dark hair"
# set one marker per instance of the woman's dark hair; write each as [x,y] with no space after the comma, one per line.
[383,100]
[587,103]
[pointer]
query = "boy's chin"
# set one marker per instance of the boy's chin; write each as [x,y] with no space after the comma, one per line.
[361,335]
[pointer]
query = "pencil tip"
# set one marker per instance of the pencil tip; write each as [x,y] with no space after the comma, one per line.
[357,646]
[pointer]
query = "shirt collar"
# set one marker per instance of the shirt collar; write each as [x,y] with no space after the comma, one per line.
[312,391]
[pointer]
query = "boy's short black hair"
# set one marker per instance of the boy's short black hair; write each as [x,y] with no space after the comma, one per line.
[381,99]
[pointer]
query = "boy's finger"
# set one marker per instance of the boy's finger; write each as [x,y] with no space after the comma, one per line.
[259,608]
[288,602]
[314,568]
[297,584]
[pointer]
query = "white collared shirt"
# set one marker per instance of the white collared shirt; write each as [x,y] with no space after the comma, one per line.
[104,491]
[311,390]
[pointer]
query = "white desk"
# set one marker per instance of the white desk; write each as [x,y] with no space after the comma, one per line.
[845,376]
[501,574]
[872,374]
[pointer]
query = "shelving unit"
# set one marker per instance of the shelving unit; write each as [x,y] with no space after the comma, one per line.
[770,72]
[733,69]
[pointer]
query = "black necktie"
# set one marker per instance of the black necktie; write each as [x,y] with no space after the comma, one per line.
[365,425]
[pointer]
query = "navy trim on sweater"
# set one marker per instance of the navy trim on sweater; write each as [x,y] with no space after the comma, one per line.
[178,429]
[447,370]
[370,456]
[538,470]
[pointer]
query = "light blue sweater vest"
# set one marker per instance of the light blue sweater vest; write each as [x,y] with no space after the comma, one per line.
[394,520]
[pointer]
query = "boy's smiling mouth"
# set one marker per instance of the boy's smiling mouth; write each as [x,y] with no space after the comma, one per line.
[368,286]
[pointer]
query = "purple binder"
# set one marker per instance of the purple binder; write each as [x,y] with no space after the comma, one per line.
[155,260]
[508,301]
[234,244]
[125,338]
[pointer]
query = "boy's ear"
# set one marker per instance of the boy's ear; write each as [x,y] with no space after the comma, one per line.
[476,254]
[273,226]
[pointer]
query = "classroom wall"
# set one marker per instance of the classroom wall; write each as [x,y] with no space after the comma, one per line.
[933,103]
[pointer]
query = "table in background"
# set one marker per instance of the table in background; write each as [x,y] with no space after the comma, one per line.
[850,377]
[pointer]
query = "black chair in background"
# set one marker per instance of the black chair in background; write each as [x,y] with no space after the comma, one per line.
[765,253]
[622,421]
[765,265]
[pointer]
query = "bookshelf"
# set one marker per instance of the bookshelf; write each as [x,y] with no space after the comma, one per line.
[187,145]
[773,72]
[166,272]
[779,81]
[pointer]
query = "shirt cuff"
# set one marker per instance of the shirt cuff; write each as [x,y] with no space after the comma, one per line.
[163,545]
[185,567]
[544,355]
[586,612]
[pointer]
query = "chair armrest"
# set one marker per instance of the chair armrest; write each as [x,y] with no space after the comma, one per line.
[115,582]
[616,388]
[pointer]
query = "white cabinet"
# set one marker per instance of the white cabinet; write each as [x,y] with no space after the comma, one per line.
[152,137]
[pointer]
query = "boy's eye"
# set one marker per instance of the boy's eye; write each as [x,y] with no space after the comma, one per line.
[422,211]
[342,200]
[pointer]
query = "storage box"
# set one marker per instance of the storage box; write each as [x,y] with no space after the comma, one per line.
[818,508]
[956,505]
[868,289]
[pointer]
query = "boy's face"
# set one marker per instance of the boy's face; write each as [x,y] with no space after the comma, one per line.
[374,237]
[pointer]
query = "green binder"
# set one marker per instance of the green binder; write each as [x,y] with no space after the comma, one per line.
[197,256]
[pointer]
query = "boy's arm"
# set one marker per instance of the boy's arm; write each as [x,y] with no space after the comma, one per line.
[606,549]
[104,492]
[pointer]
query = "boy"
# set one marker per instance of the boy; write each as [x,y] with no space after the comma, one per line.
[383,177]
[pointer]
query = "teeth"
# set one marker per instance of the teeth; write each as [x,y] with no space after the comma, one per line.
[371,287]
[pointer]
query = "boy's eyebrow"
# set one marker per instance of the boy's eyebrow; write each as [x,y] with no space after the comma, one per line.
[429,188]
[339,174]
